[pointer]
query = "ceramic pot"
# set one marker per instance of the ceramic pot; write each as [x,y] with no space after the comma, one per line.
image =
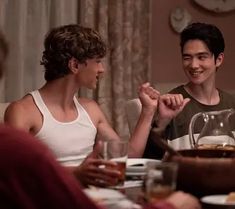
[205,172]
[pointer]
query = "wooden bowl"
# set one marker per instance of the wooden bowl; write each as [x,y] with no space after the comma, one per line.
[206,172]
[208,153]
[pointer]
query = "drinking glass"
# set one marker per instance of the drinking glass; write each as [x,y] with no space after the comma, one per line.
[117,151]
[160,180]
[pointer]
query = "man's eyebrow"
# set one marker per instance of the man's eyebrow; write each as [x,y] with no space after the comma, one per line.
[203,53]
[185,54]
[197,54]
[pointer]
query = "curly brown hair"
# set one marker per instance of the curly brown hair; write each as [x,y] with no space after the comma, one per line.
[68,41]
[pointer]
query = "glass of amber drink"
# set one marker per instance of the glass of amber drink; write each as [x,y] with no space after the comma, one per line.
[160,180]
[117,151]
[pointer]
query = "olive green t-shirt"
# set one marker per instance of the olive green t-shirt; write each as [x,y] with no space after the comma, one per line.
[177,130]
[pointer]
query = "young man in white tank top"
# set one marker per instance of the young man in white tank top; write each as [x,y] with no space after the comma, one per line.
[61,184]
[72,59]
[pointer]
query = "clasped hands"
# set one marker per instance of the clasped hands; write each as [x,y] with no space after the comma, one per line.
[165,106]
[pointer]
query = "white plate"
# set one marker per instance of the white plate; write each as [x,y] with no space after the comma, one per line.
[101,194]
[110,198]
[216,200]
[137,166]
[128,184]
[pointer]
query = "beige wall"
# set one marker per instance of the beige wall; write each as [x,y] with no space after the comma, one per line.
[166,59]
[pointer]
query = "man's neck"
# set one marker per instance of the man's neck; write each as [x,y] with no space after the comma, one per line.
[205,94]
[59,91]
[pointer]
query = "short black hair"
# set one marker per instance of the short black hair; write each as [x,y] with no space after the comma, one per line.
[207,33]
[68,41]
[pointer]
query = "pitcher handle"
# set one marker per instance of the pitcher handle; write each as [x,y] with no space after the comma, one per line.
[231,112]
[191,131]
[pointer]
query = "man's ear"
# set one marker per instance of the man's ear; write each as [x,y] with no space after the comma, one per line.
[73,65]
[219,60]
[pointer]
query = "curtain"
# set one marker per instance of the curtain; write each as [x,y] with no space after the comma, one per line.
[124,24]
[25,23]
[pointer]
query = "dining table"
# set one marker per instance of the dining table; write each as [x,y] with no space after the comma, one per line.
[127,196]
[131,195]
[136,195]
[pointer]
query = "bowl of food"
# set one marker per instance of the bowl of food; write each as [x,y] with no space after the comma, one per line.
[205,171]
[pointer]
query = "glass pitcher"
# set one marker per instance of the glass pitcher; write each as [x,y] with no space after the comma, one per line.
[215,132]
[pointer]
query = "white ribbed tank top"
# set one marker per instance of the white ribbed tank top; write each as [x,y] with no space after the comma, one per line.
[70,141]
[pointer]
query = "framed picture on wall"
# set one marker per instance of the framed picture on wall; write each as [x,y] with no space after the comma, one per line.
[179,19]
[218,6]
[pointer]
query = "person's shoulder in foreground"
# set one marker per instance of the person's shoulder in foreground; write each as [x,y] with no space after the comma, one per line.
[31,178]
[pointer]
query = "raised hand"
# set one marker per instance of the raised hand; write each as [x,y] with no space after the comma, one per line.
[170,105]
[148,97]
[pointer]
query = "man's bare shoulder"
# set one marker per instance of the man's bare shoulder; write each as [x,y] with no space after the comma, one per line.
[23,114]
[23,109]
[25,104]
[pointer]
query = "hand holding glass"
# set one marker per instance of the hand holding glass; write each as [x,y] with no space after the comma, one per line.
[116,151]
